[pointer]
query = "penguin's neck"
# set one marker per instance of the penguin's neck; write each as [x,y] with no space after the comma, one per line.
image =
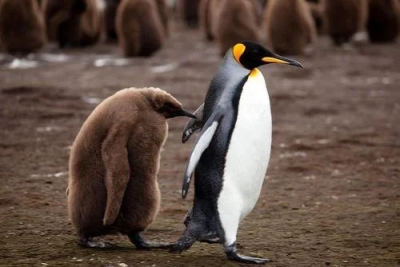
[226,84]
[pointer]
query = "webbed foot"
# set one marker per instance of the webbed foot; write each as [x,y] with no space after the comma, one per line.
[232,254]
[141,244]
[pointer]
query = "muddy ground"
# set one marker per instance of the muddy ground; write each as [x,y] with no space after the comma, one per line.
[332,192]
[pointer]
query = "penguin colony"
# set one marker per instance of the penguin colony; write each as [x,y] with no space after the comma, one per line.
[113,190]
[141,27]
[114,163]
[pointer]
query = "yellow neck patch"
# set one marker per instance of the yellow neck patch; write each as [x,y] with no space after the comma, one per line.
[254,73]
[238,51]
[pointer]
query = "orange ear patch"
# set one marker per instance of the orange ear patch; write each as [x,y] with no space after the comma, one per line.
[238,51]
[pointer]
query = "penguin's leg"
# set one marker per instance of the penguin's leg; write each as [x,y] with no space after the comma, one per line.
[137,239]
[229,211]
[191,234]
[210,238]
[88,242]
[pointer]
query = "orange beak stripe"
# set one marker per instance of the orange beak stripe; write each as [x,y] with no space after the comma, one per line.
[274,60]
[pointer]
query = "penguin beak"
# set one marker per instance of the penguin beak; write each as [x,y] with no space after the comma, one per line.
[281,60]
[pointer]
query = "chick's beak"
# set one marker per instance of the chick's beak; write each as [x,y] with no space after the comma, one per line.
[281,60]
[187,114]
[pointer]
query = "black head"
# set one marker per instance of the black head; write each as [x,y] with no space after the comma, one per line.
[166,104]
[252,55]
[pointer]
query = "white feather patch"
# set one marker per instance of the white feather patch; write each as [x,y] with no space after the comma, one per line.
[247,156]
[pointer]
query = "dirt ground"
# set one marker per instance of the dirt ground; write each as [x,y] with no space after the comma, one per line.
[332,192]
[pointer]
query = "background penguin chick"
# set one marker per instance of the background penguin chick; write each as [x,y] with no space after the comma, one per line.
[190,11]
[73,22]
[139,28]
[162,9]
[289,26]
[343,18]
[383,20]
[316,13]
[22,28]
[114,163]
[208,15]
[109,19]
[237,21]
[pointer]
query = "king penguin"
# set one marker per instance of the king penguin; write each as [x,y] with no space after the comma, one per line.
[231,155]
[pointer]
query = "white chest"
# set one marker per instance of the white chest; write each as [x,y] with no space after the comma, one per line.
[250,146]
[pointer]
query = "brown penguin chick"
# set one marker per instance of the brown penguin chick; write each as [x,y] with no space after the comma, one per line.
[109,19]
[289,26]
[190,11]
[91,25]
[114,164]
[316,13]
[73,23]
[22,28]
[205,18]
[237,21]
[162,9]
[139,28]
[209,11]
[343,18]
[383,20]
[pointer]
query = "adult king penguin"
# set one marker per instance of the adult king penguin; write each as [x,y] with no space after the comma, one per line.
[231,155]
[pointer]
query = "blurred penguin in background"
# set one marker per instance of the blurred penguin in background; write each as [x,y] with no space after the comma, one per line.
[383,20]
[22,28]
[343,18]
[209,11]
[109,19]
[139,28]
[73,23]
[238,20]
[205,18]
[316,13]
[162,9]
[190,11]
[289,26]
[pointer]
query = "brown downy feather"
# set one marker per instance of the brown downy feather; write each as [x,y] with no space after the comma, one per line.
[109,19]
[289,26]
[235,21]
[73,22]
[115,160]
[162,9]
[22,28]
[383,20]
[139,28]
[190,11]
[316,12]
[343,18]
[204,18]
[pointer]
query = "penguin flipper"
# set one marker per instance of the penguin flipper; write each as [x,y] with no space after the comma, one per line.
[193,124]
[115,157]
[207,134]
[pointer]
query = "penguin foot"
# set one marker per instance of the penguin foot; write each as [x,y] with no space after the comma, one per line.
[232,254]
[183,243]
[88,242]
[141,244]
